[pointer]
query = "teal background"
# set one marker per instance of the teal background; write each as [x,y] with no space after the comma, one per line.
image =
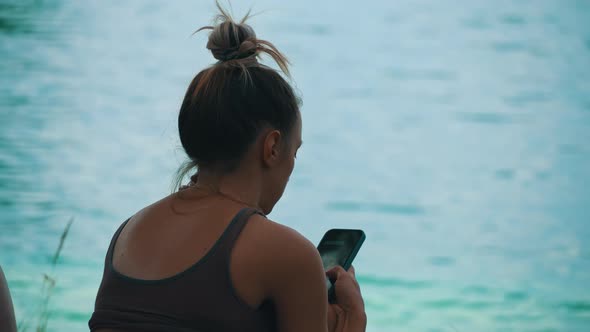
[455,133]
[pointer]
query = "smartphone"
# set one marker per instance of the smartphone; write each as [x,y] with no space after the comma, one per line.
[339,247]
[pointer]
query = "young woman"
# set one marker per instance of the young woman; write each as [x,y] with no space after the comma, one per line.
[206,258]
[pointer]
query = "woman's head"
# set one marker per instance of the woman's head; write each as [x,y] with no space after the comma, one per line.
[238,104]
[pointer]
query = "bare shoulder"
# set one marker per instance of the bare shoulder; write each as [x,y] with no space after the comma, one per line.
[279,241]
[281,252]
[291,275]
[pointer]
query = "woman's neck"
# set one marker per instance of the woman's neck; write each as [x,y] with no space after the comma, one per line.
[241,185]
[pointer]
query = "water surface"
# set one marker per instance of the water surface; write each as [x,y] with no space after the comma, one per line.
[456,134]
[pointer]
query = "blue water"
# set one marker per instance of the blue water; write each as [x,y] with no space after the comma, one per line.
[455,133]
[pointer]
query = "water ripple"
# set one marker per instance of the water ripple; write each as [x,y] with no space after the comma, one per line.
[455,303]
[526,97]
[441,260]
[477,289]
[421,74]
[515,296]
[576,306]
[476,23]
[389,208]
[509,46]
[505,174]
[513,19]
[485,117]
[394,282]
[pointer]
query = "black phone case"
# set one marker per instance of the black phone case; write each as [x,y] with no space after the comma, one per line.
[349,260]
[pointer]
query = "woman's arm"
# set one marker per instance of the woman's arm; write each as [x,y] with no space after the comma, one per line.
[295,281]
[7,320]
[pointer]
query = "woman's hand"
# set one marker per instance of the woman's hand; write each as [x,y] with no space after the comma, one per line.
[349,308]
[335,318]
[346,289]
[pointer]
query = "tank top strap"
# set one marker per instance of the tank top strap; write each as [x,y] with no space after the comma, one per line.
[234,229]
[109,257]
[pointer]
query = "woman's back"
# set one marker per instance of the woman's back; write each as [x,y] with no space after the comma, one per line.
[167,270]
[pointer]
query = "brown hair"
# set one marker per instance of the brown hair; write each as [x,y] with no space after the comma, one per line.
[229,103]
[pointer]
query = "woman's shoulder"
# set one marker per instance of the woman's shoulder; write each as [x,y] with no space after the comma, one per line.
[282,257]
[277,234]
[278,242]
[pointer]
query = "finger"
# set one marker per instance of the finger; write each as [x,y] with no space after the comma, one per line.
[335,313]
[334,272]
[351,270]
[332,319]
[356,285]
[352,273]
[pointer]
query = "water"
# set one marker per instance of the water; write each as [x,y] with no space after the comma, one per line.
[456,134]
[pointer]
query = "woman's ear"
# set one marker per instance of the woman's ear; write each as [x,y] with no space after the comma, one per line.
[271,148]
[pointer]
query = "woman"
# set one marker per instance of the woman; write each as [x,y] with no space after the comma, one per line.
[207,258]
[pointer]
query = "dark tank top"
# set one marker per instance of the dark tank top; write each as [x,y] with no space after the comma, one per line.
[201,298]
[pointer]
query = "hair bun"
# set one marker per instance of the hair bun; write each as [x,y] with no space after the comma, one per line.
[230,40]
[246,49]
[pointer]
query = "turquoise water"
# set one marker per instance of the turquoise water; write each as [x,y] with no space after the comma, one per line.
[455,133]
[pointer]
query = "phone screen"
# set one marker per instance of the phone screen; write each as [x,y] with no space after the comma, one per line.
[339,247]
